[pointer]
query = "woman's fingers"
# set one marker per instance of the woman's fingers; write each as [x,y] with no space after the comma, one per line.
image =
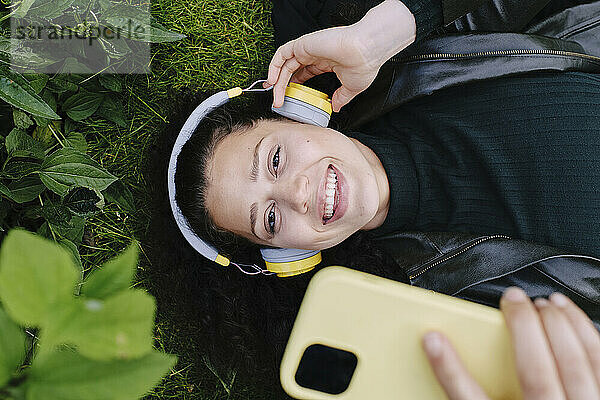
[449,369]
[586,332]
[285,73]
[573,365]
[307,72]
[536,367]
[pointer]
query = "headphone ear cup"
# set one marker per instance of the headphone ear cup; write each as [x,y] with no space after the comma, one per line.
[289,262]
[302,112]
[304,104]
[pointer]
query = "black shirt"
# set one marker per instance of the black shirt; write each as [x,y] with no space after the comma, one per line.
[517,155]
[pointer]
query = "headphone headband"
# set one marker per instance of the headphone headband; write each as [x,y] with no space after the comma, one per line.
[283,262]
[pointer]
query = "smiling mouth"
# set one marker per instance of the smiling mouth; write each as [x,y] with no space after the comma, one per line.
[331,195]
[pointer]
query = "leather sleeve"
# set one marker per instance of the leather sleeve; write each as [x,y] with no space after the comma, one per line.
[494,15]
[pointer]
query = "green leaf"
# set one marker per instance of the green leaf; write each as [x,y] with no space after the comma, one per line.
[50,9]
[82,201]
[76,140]
[82,104]
[71,230]
[37,81]
[12,347]
[112,110]
[67,168]
[111,82]
[60,83]
[67,375]
[21,119]
[117,327]
[56,214]
[114,276]
[136,24]
[16,90]
[119,193]
[16,169]
[26,189]
[20,144]
[36,275]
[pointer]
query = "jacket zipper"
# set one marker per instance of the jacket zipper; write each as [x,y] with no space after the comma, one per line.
[445,257]
[423,57]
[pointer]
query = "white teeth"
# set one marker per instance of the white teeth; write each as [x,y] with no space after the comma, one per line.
[330,189]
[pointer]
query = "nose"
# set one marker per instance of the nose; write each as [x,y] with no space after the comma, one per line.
[294,192]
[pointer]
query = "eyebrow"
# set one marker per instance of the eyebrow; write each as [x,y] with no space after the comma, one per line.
[255,162]
[253,210]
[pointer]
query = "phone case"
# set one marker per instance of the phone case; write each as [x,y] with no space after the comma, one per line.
[382,322]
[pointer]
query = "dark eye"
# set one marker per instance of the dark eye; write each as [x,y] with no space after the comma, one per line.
[271,220]
[276,160]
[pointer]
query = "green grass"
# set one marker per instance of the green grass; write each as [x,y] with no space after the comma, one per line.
[228,43]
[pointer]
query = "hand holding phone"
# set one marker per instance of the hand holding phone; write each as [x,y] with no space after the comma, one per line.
[556,347]
[358,336]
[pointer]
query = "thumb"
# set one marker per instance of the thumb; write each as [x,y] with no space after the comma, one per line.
[341,97]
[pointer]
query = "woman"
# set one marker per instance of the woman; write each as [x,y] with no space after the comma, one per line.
[265,180]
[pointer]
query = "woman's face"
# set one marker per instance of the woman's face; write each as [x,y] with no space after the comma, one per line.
[287,184]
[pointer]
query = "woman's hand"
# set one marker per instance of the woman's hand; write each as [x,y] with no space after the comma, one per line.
[556,348]
[355,52]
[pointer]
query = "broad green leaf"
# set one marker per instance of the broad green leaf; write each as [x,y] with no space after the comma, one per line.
[60,84]
[20,144]
[71,230]
[57,214]
[67,375]
[136,24]
[114,276]
[26,189]
[76,140]
[119,193]
[16,90]
[17,169]
[49,9]
[36,275]
[82,104]
[67,168]
[4,190]
[112,110]
[83,201]
[37,81]
[23,56]
[12,347]
[111,82]
[119,326]
[21,119]
[49,98]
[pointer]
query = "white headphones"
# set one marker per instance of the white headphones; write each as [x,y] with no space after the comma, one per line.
[302,104]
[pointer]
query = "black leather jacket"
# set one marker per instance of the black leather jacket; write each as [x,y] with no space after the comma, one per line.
[480,268]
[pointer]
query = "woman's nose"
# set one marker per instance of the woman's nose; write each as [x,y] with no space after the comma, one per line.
[295,193]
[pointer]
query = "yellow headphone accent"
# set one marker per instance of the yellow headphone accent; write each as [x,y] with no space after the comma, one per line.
[310,96]
[292,268]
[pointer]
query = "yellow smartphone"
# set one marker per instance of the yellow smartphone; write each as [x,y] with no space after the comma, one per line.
[358,336]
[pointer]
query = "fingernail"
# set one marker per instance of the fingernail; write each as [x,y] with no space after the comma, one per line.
[541,302]
[433,344]
[515,295]
[559,299]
